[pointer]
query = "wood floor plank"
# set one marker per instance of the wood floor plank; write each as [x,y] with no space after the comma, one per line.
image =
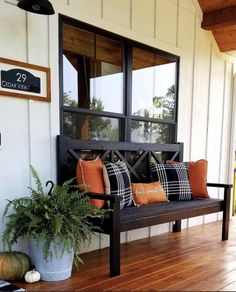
[184,281]
[158,253]
[138,269]
[193,260]
[172,271]
[220,281]
[230,287]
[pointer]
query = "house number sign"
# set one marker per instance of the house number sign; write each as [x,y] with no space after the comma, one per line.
[18,79]
[23,80]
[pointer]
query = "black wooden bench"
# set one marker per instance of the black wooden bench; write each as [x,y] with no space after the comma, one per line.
[137,157]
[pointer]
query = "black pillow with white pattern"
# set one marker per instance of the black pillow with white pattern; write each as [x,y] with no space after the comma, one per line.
[117,182]
[174,180]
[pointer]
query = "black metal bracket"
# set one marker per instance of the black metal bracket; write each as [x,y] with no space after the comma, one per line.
[52,185]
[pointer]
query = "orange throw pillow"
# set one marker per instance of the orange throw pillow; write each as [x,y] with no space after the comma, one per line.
[147,193]
[198,178]
[90,178]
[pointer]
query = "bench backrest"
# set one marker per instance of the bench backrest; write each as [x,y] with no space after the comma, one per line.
[137,156]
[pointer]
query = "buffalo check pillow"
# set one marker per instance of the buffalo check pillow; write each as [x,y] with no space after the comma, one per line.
[174,180]
[117,181]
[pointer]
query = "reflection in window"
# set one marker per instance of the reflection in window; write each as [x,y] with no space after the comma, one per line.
[70,84]
[87,127]
[148,132]
[115,89]
[153,85]
[96,67]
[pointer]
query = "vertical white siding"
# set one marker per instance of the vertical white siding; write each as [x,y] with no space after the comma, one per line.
[24,124]
[186,40]
[143,20]
[166,21]
[39,112]
[113,9]
[187,5]
[200,95]
[12,32]
[226,134]
[29,128]
[216,99]
[64,1]
[13,112]
[54,126]
[93,7]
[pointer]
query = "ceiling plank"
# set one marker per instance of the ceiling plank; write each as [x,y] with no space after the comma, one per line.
[227,47]
[212,5]
[226,39]
[219,18]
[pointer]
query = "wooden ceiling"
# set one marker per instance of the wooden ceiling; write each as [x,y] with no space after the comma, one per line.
[219,16]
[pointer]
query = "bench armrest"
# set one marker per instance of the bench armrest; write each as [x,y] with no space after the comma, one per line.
[111,198]
[226,207]
[219,185]
[227,190]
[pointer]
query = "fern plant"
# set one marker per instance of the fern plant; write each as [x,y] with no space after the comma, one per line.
[64,215]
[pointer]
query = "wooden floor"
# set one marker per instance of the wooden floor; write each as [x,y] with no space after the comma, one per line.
[193,260]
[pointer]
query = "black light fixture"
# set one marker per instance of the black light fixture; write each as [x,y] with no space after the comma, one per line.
[36,6]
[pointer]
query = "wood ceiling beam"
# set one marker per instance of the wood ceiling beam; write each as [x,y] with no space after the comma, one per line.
[226,38]
[219,18]
[227,47]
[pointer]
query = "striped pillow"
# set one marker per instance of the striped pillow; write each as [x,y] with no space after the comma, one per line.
[174,179]
[117,181]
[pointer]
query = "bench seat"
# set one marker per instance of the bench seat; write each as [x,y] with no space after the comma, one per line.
[143,216]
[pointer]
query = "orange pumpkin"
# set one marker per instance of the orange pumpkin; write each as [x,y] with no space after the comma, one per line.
[13,265]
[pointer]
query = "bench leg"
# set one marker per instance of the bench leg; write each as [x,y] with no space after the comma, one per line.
[115,254]
[226,213]
[115,241]
[177,226]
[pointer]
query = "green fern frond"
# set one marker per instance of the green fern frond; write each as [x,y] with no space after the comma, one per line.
[37,180]
[64,216]
[6,209]
[68,183]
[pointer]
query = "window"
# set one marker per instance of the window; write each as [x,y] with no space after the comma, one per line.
[115,89]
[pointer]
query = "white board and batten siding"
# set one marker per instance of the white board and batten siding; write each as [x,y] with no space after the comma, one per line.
[205,121]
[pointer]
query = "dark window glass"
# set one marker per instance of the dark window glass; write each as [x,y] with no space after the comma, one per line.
[148,132]
[89,127]
[153,85]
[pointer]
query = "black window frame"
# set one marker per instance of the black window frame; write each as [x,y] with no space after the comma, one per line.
[125,118]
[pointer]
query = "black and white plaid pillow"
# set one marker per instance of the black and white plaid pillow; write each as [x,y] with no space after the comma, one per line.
[174,179]
[117,181]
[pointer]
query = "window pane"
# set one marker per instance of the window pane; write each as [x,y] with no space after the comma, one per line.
[88,127]
[96,66]
[70,85]
[153,85]
[148,132]
[107,85]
